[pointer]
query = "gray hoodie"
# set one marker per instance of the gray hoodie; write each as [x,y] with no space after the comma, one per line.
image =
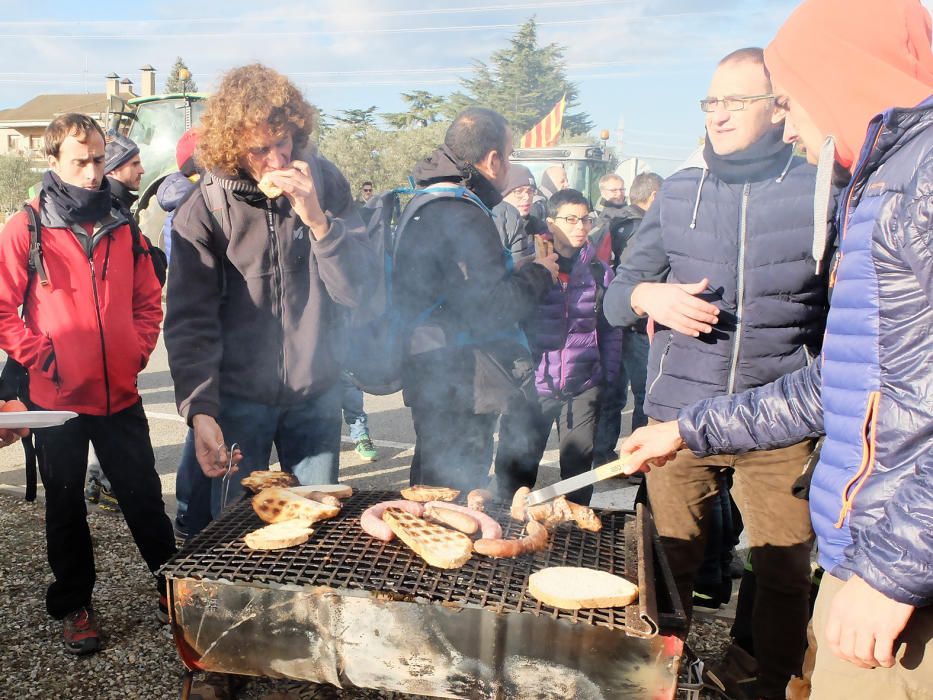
[254,303]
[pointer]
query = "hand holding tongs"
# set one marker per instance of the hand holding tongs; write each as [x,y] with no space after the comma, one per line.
[225,480]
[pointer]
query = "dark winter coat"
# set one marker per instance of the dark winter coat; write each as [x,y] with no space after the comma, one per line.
[451,253]
[751,235]
[254,310]
[171,193]
[517,232]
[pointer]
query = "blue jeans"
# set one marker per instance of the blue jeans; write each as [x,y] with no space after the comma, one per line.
[634,371]
[306,437]
[190,485]
[353,414]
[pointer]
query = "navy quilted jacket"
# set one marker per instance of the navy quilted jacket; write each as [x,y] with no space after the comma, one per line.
[753,241]
[871,499]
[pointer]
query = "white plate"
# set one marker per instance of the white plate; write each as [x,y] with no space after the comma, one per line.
[34,419]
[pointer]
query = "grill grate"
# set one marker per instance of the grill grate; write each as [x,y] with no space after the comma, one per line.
[340,555]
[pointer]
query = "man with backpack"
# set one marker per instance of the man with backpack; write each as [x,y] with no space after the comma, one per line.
[91,313]
[266,258]
[461,301]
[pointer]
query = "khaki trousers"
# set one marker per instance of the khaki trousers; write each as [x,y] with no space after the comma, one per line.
[779,532]
[911,677]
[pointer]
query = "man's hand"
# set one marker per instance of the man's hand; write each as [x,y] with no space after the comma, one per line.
[676,306]
[210,448]
[651,446]
[863,625]
[298,186]
[10,435]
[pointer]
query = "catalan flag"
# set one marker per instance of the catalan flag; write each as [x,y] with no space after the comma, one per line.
[546,132]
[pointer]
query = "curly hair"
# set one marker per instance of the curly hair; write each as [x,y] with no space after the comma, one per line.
[250,97]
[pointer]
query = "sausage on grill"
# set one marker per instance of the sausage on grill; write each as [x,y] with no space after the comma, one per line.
[491,529]
[373,525]
[534,541]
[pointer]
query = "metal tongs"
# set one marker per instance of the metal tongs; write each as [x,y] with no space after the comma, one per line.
[225,480]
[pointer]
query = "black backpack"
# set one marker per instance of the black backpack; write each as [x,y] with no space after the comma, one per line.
[373,360]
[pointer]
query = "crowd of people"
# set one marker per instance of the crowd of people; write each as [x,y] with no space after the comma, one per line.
[768,306]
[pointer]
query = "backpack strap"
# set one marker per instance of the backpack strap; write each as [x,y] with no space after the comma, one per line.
[35,264]
[218,210]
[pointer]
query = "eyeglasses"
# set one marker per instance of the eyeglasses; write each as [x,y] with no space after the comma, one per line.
[574,220]
[734,103]
[367,189]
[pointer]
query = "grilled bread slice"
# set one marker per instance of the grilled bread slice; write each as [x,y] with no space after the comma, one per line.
[424,494]
[573,588]
[287,533]
[437,545]
[257,481]
[335,490]
[275,505]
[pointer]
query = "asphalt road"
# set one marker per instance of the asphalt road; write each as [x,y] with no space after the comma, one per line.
[390,428]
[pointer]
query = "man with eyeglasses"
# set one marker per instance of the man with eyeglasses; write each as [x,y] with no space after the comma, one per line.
[575,352]
[724,265]
[513,215]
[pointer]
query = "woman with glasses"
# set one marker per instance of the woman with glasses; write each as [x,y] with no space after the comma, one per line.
[573,347]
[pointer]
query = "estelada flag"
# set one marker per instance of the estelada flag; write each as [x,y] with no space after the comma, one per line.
[546,132]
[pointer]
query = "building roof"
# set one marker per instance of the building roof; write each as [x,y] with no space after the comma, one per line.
[46,107]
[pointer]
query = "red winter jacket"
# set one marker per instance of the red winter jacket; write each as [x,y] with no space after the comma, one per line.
[88,333]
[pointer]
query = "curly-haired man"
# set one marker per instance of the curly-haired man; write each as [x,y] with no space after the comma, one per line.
[256,281]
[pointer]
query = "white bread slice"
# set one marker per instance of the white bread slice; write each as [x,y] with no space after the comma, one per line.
[426,494]
[287,533]
[437,545]
[336,490]
[275,505]
[573,588]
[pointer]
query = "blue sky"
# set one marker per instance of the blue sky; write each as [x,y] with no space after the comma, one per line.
[639,64]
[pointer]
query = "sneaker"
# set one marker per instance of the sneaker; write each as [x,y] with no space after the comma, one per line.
[92,490]
[81,632]
[366,449]
[736,675]
[162,611]
[107,501]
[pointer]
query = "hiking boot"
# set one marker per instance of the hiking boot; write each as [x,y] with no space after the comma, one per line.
[162,611]
[107,501]
[81,632]
[366,449]
[736,675]
[92,490]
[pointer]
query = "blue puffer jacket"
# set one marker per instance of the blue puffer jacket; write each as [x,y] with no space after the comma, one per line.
[871,499]
[753,241]
[575,349]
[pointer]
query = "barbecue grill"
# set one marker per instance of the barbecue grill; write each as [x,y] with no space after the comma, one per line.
[352,611]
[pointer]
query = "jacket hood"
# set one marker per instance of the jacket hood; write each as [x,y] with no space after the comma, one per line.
[174,188]
[847,61]
[444,166]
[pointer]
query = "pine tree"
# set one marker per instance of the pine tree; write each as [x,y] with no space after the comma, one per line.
[523,83]
[423,108]
[174,82]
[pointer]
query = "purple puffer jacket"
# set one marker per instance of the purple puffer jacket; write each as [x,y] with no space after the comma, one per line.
[570,345]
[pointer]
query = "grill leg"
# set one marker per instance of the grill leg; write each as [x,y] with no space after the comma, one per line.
[187,678]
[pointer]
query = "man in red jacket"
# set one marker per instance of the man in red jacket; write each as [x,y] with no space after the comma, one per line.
[91,314]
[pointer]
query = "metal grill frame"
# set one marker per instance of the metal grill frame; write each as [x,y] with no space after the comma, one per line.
[341,556]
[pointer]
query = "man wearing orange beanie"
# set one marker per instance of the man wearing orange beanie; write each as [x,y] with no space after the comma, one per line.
[855,79]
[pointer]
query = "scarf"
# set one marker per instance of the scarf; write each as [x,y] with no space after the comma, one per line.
[764,159]
[76,204]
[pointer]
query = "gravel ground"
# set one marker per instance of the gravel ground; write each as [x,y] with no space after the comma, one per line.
[138,659]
